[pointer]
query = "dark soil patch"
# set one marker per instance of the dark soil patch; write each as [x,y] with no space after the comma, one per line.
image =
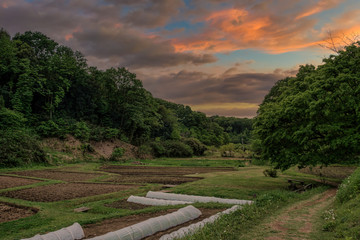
[65,191]
[10,182]
[11,212]
[110,225]
[124,204]
[153,179]
[161,175]
[172,171]
[59,175]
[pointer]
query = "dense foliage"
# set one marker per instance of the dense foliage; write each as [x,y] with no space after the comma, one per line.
[50,89]
[313,118]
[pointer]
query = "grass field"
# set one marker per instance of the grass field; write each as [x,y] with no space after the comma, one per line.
[242,183]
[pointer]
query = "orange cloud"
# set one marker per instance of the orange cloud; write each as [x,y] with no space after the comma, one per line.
[70,35]
[235,29]
[342,31]
[321,6]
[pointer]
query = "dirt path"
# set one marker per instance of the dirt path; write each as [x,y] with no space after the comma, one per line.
[298,221]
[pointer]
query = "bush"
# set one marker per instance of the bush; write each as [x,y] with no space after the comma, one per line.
[81,131]
[270,173]
[144,151]
[177,149]
[100,133]
[228,150]
[197,147]
[48,129]
[19,148]
[86,147]
[117,154]
[343,220]
[158,149]
[10,119]
[349,188]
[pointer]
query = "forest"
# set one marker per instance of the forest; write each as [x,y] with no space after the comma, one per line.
[49,90]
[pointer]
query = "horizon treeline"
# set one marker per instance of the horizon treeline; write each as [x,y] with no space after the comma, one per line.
[50,89]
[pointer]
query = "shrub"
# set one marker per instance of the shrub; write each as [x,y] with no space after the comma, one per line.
[227,150]
[18,148]
[158,149]
[81,131]
[48,129]
[111,133]
[177,149]
[270,173]
[349,188]
[100,133]
[86,147]
[144,151]
[343,220]
[10,119]
[197,147]
[117,154]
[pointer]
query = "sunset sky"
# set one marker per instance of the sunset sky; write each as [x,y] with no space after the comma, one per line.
[219,57]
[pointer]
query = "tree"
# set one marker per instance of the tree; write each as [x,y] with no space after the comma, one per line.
[313,118]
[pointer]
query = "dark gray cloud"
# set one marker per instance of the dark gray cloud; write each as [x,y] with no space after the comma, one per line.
[153,13]
[106,32]
[133,50]
[200,88]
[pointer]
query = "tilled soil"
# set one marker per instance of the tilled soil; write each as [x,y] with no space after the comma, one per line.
[10,182]
[59,175]
[110,225]
[161,175]
[172,171]
[153,179]
[10,212]
[65,191]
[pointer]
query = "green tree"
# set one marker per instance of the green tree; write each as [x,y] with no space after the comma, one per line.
[313,118]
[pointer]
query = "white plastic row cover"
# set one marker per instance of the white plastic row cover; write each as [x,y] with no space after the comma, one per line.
[153,225]
[155,202]
[191,229]
[73,232]
[192,198]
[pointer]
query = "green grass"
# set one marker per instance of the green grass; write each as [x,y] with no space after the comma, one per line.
[244,183]
[243,223]
[344,222]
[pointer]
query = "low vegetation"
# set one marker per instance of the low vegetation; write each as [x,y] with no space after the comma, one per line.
[343,218]
[243,183]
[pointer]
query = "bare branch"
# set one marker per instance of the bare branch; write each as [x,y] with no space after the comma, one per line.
[337,43]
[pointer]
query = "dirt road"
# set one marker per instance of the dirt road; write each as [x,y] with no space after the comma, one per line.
[295,222]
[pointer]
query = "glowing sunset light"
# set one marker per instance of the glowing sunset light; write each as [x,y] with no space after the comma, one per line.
[219,57]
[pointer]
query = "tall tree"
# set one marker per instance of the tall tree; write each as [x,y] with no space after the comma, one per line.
[314,118]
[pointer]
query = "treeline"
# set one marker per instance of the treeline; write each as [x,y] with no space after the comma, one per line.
[49,89]
[313,118]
